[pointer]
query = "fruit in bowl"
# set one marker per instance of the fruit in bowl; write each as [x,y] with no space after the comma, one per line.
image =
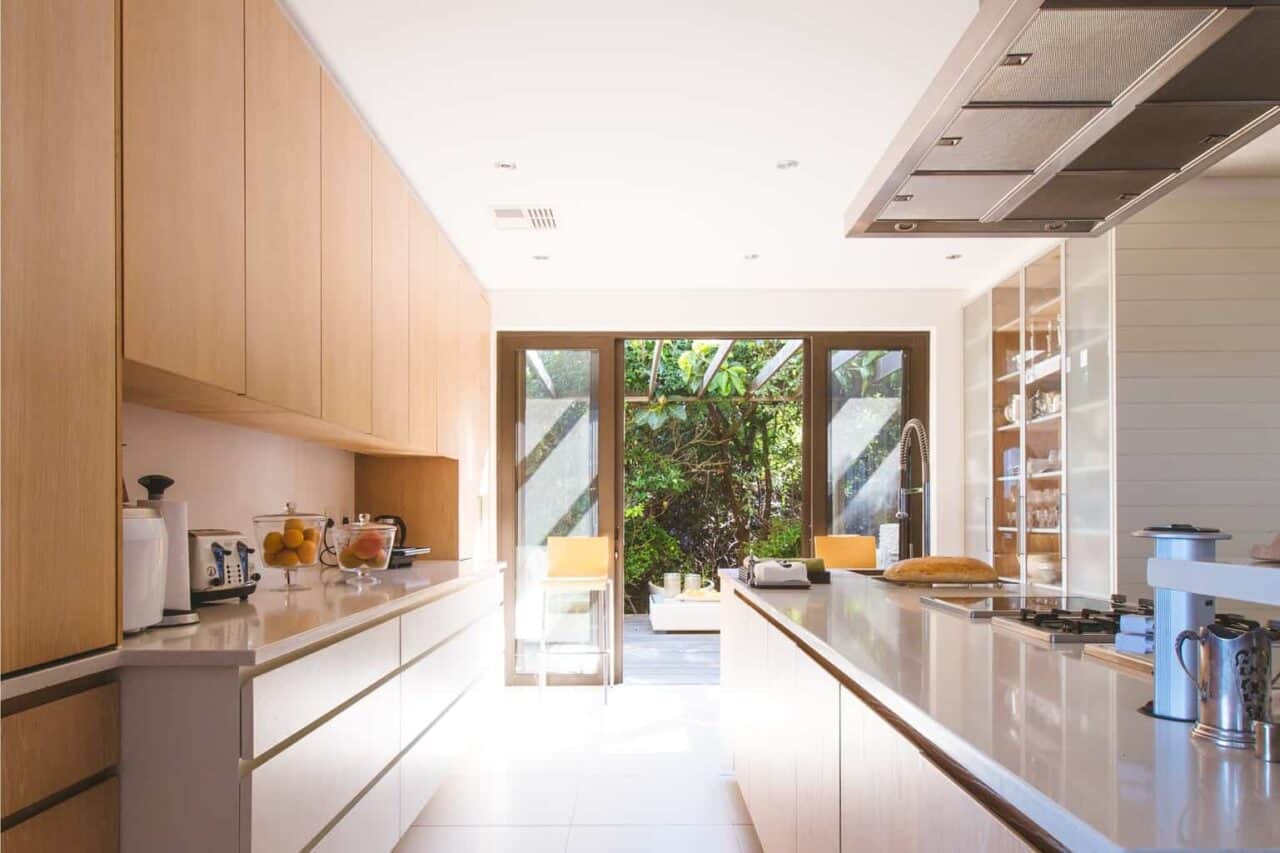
[290,540]
[364,546]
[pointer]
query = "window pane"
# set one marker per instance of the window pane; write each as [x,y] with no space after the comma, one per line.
[865,405]
[557,450]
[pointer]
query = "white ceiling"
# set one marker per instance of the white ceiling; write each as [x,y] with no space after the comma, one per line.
[653,130]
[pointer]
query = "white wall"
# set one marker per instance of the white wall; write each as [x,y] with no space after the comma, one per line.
[1198,367]
[228,474]
[935,311]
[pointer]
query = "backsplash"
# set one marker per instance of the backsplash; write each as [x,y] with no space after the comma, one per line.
[229,474]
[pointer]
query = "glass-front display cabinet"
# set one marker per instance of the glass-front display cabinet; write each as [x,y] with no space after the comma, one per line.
[1027,436]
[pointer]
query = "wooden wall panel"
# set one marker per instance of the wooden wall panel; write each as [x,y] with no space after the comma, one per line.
[282,212]
[421,490]
[448,407]
[60,493]
[184,199]
[89,822]
[1197,343]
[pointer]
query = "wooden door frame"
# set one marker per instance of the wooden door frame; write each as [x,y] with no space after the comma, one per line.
[915,389]
[509,389]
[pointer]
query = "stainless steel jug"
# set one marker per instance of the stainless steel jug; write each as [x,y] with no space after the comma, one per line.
[1234,682]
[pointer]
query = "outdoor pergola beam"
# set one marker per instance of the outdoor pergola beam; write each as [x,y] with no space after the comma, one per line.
[782,398]
[722,352]
[653,368]
[535,361]
[773,365]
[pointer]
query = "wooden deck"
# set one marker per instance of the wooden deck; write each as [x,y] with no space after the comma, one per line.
[650,658]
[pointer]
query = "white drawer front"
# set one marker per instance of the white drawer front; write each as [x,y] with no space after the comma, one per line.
[425,766]
[432,683]
[295,793]
[430,624]
[280,702]
[373,825]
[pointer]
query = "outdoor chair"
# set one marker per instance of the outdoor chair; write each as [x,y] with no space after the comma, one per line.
[846,551]
[577,564]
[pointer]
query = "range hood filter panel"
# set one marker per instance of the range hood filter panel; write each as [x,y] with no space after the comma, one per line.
[1243,65]
[949,196]
[1086,55]
[1006,138]
[1087,195]
[1167,136]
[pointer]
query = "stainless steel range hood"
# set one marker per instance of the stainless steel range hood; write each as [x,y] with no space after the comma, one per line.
[1064,117]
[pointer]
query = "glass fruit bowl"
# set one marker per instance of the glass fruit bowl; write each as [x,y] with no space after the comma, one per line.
[290,540]
[364,546]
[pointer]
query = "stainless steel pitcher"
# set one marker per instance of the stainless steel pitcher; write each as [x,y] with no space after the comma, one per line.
[1234,682]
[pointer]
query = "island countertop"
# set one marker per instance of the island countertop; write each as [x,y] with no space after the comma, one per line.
[275,622]
[1055,734]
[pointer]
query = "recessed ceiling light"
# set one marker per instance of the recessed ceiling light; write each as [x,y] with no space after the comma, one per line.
[750,256]
[904,227]
[954,257]
[505,165]
[787,164]
[542,257]
[904,197]
[949,141]
[1015,59]
[1057,225]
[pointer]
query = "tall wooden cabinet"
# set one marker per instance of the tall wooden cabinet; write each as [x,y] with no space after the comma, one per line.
[346,251]
[448,340]
[390,332]
[59,506]
[282,212]
[423,341]
[183,103]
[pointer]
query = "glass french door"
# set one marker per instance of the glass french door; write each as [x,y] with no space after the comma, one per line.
[864,388]
[556,478]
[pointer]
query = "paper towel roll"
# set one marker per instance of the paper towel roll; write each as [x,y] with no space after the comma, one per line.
[177,572]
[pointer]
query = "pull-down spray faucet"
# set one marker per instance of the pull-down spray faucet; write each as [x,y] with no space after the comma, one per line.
[916,428]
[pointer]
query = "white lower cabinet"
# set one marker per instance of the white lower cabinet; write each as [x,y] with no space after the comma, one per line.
[372,824]
[294,794]
[820,770]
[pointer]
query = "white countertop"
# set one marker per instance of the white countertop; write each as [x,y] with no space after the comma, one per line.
[275,622]
[1056,734]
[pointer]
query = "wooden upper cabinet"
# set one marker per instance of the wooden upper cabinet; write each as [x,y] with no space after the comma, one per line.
[473,415]
[423,349]
[183,103]
[390,300]
[346,251]
[448,339]
[282,212]
[59,495]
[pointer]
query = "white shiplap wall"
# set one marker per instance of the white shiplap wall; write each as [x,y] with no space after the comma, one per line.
[1197,340]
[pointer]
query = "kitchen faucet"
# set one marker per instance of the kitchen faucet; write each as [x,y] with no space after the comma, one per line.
[914,427]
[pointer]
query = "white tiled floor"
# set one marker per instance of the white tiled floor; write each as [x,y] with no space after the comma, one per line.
[564,772]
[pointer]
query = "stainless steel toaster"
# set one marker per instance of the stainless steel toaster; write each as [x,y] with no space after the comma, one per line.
[222,565]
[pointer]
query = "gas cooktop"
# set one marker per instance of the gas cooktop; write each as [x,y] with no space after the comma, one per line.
[1073,625]
[987,606]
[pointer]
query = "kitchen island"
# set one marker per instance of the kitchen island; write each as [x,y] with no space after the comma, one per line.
[860,719]
[323,718]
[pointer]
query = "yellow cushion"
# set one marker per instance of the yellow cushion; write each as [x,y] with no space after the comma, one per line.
[578,557]
[846,552]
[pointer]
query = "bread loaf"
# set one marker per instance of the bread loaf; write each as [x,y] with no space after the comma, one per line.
[941,570]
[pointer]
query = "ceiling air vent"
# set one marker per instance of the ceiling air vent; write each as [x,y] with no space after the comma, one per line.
[1069,116]
[524,218]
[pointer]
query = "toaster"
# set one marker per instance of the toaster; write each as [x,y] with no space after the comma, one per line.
[222,566]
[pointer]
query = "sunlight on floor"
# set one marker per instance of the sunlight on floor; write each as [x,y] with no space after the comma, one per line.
[561,771]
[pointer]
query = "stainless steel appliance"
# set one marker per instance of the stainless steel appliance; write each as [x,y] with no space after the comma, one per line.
[1177,611]
[222,566]
[1058,626]
[987,606]
[1232,681]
